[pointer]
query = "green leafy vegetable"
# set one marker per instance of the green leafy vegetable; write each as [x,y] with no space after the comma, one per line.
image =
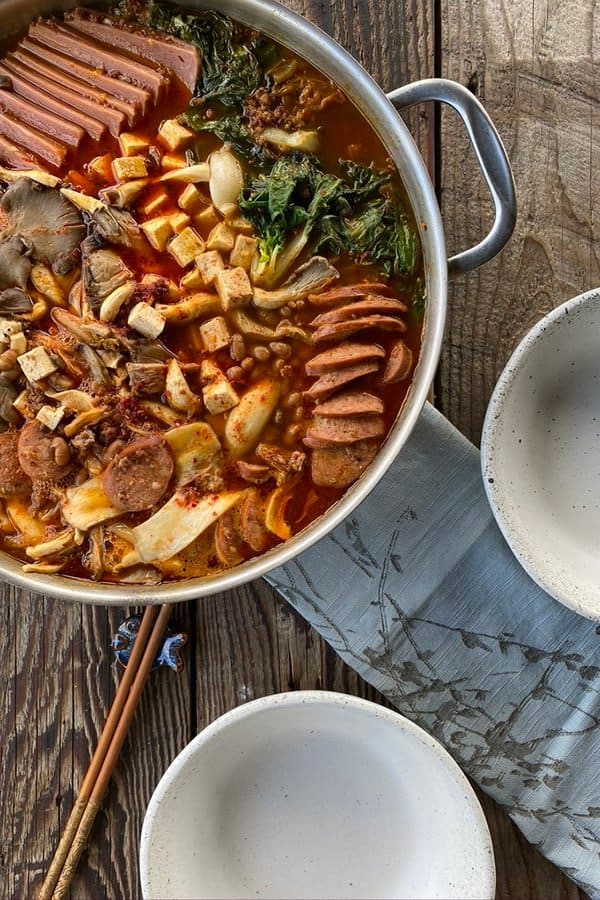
[231,130]
[232,67]
[297,201]
[290,201]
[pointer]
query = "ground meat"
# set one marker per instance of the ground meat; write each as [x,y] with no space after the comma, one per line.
[13,479]
[138,477]
[292,104]
[36,450]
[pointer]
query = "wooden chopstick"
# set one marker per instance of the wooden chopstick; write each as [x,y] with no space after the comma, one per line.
[95,783]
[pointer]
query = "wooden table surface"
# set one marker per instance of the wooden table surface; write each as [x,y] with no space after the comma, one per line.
[532,65]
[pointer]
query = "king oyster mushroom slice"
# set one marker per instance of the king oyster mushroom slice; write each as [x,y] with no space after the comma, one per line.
[50,227]
[14,301]
[117,227]
[309,278]
[103,272]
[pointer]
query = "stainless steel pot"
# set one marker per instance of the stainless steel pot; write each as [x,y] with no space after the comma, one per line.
[381,111]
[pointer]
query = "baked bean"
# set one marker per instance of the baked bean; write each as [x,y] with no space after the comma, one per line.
[61,451]
[235,373]
[291,435]
[298,414]
[237,347]
[261,353]
[280,364]
[285,311]
[278,417]
[281,350]
[292,400]
[247,364]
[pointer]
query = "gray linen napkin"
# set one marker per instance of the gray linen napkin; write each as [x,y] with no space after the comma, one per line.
[419,593]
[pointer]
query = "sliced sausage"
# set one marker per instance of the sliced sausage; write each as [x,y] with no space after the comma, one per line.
[354,403]
[47,123]
[346,354]
[87,50]
[252,522]
[15,156]
[138,477]
[345,329]
[253,473]
[348,292]
[66,89]
[25,88]
[229,543]
[339,467]
[324,432]
[372,305]
[399,364]
[115,92]
[328,384]
[37,453]
[33,140]
[13,479]
[180,57]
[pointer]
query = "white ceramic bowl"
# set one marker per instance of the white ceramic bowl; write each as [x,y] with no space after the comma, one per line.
[540,453]
[315,794]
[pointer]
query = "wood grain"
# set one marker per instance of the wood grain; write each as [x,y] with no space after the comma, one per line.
[58,674]
[532,65]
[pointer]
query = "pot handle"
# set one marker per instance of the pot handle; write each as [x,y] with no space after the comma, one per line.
[490,154]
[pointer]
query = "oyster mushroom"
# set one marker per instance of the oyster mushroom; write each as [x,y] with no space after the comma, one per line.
[117,227]
[14,301]
[47,227]
[103,272]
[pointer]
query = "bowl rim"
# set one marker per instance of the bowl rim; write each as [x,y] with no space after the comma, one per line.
[326,699]
[586,604]
[294,30]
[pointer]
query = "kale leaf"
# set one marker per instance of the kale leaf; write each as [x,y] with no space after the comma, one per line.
[349,214]
[231,67]
[231,130]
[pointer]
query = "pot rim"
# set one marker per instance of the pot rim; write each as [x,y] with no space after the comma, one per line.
[322,51]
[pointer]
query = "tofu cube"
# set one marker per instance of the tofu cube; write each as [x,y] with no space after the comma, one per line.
[36,364]
[174,135]
[209,264]
[172,161]
[8,328]
[186,247]
[234,288]
[146,320]
[51,416]
[221,238]
[18,343]
[243,251]
[215,334]
[23,405]
[192,281]
[191,200]
[158,231]
[154,202]
[217,393]
[240,224]
[127,167]
[179,221]
[101,167]
[132,144]
[207,219]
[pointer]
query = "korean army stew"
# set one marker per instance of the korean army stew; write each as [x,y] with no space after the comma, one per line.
[211,294]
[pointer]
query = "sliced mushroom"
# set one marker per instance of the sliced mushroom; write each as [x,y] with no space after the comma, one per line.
[103,272]
[14,301]
[117,227]
[313,276]
[50,227]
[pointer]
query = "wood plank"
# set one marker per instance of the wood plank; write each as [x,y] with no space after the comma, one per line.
[60,679]
[532,65]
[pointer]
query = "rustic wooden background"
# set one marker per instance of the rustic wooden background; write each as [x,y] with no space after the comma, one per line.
[532,64]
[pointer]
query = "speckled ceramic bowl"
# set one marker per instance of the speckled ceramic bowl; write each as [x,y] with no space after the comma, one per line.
[540,453]
[315,794]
